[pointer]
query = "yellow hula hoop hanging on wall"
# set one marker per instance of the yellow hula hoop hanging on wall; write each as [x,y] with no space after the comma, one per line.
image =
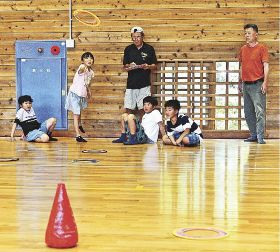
[96,21]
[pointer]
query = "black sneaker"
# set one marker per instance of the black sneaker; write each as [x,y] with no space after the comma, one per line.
[80,139]
[81,129]
[251,139]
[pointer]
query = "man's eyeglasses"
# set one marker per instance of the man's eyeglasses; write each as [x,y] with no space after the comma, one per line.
[136,37]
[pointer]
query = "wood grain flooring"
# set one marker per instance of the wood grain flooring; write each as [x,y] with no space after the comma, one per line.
[136,196]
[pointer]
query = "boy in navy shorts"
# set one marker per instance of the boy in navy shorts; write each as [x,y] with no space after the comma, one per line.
[32,129]
[181,130]
[134,132]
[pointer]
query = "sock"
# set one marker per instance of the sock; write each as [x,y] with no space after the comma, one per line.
[123,136]
[50,136]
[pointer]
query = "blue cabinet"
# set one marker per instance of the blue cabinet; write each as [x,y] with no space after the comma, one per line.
[41,72]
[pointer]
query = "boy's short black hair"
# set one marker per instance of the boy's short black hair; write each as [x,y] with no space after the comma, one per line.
[24,98]
[254,26]
[151,100]
[87,55]
[175,104]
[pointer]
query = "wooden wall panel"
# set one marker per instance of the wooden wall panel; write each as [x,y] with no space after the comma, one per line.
[181,30]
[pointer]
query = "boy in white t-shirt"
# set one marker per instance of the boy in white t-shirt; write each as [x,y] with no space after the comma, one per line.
[134,132]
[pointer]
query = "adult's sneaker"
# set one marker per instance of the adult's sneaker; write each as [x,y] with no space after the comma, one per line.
[251,139]
[261,141]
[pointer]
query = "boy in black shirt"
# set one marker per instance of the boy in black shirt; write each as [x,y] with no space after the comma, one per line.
[32,129]
[181,130]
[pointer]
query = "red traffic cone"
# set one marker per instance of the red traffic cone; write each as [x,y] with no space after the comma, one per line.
[61,230]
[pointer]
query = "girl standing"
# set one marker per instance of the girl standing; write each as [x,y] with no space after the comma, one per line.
[79,92]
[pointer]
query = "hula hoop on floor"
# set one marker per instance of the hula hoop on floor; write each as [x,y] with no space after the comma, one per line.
[96,21]
[186,233]
[85,160]
[8,159]
[94,151]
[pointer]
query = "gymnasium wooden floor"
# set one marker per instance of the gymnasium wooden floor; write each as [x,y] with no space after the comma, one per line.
[136,196]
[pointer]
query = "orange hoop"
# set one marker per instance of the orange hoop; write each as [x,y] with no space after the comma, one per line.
[96,21]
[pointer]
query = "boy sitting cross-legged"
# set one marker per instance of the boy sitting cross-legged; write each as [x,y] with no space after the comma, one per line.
[134,132]
[181,130]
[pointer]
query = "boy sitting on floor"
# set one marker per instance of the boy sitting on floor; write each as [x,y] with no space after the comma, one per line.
[134,132]
[32,129]
[181,130]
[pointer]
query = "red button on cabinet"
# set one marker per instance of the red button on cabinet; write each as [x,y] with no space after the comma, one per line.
[55,50]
